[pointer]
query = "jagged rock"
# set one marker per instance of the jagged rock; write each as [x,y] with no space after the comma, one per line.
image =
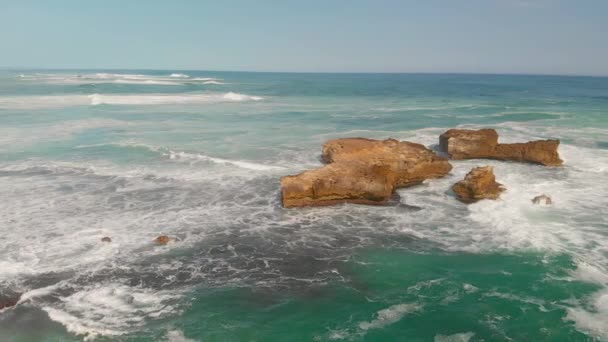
[542,199]
[483,143]
[163,240]
[106,239]
[478,184]
[7,301]
[362,171]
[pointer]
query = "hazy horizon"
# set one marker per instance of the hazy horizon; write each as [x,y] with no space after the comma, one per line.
[537,37]
[10,68]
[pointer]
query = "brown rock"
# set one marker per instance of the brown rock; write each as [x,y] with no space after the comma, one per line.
[362,171]
[106,239]
[9,301]
[478,184]
[542,199]
[483,143]
[163,240]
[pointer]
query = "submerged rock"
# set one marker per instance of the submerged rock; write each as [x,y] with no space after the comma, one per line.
[542,199]
[362,171]
[106,239]
[483,143]
[9,301]
[478,184]
[163,240]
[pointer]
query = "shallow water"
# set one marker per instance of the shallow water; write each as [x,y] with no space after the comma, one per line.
[198,155]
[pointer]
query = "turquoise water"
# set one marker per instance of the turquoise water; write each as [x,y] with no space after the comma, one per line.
[198,155]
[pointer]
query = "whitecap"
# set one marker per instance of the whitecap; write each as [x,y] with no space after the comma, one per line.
[459,337]
[177,336]
[238,163]
[593,320]
[111,309]
[163,99]
[240,97]
[389,316]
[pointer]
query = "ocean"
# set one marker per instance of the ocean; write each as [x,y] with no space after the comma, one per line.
[198,155]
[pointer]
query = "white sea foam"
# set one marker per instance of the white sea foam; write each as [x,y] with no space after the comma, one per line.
[459,337]
[389,316]
[108,78]
[111,309]
[152,82]
[593,321]
[50,102]
[177,336]
[69,225]
[160,99]
[238,163]
[240,97]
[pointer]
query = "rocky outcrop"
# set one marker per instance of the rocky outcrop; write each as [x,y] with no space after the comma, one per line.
[163,240]
[542,199]
[483,143]
[362,171]
[7,301]
[478,184]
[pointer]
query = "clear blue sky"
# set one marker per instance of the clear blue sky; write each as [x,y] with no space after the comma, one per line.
[486,36]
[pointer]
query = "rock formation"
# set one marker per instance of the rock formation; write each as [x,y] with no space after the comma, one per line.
[478,184]
[106,239]
[362,171]
[483,143]
[163,240]
[542,199]
[9,301]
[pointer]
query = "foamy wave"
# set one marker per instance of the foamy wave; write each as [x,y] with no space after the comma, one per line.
[238,163]
[460,337]
[110,309]
[240,97]
[156,82]
[49,102]
[159,99]
[103,78]
[177,336]
[594,321]
[389,316]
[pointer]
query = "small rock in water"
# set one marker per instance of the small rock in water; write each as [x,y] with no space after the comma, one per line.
[10,301]
[542,199]
[106,239]
[163,240]
[478,184]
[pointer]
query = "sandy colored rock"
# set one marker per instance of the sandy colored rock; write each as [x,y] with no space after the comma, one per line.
[163,240]
[483,143]
[362,171]
[410,163]
[478,184]
[106,239]
[542,199]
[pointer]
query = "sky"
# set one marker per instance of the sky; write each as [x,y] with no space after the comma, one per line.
[462,36]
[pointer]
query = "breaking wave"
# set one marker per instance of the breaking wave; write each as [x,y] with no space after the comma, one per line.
[56,101]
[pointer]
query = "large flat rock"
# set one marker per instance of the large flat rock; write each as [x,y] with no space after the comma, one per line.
[362,171]
[483,144]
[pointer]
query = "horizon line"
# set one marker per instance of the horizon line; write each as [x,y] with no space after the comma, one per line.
[7,68]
